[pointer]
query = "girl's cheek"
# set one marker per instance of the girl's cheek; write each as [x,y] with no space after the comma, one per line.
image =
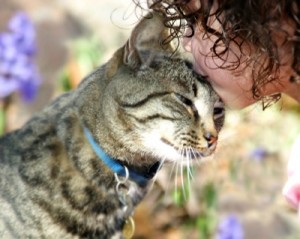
[186,43]
[235,93]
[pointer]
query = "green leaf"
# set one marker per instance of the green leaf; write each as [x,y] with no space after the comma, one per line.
[2,121]
[210,195]
[65,82]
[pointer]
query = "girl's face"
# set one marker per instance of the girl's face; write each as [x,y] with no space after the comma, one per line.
[234,86]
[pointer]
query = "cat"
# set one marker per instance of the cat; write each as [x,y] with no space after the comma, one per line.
[79,167]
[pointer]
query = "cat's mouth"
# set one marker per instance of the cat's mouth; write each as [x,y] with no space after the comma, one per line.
[192,154]
[189,153]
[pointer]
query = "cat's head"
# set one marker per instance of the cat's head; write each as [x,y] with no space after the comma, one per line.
[156,104]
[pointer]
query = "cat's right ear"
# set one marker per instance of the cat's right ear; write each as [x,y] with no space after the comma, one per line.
[148,42]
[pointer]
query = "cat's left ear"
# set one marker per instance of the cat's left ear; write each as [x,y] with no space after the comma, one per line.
[148,42]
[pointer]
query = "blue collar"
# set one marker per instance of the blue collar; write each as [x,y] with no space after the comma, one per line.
[117,167]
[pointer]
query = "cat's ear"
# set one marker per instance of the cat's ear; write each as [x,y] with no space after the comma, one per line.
[148,42]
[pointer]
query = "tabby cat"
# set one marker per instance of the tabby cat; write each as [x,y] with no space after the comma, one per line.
[78,168]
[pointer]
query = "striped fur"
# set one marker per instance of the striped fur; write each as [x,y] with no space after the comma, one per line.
[142,107]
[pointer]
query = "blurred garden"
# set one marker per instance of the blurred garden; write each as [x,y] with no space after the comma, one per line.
[48,46]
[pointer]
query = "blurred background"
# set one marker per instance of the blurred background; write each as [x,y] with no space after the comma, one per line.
[48,46]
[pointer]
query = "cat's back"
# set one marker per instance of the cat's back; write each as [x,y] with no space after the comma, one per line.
[11,144]
[31,158]
[12,189]
[20,151]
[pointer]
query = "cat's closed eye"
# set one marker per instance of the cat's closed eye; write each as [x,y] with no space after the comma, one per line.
[219,114]
[219,110]
[188,104]
[186,101]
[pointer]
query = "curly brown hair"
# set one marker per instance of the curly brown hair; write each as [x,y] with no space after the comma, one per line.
[242,22]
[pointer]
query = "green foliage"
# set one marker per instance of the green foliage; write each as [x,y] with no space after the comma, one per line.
[65,81]
[2,121]
[85,56]
[87,52]
[181,195]
[206,224]
[210,195]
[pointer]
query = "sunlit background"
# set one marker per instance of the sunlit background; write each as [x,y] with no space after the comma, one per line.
[48,46]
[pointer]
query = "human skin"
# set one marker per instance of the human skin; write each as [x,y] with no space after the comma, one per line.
[234,86]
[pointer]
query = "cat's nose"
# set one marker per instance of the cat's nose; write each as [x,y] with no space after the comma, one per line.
[210,138]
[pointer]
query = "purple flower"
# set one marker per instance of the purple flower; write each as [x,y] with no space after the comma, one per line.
[259,154]
[17,49]
[24,31]
[8,47]
[230,228]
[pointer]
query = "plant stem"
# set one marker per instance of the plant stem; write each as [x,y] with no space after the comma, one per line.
[2,118]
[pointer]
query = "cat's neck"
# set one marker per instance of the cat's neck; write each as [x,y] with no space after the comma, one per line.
[102,128]
[140,175]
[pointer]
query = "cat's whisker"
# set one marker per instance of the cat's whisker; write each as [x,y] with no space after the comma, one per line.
[195,160]
[178,164]
[169,179]
[159,168]
[190,165]
[176,179]
[188,171]
[198,160]
[182,173]
[172,170]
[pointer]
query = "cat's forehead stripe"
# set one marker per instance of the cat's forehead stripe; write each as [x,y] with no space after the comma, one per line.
[202,106]
[188,64]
